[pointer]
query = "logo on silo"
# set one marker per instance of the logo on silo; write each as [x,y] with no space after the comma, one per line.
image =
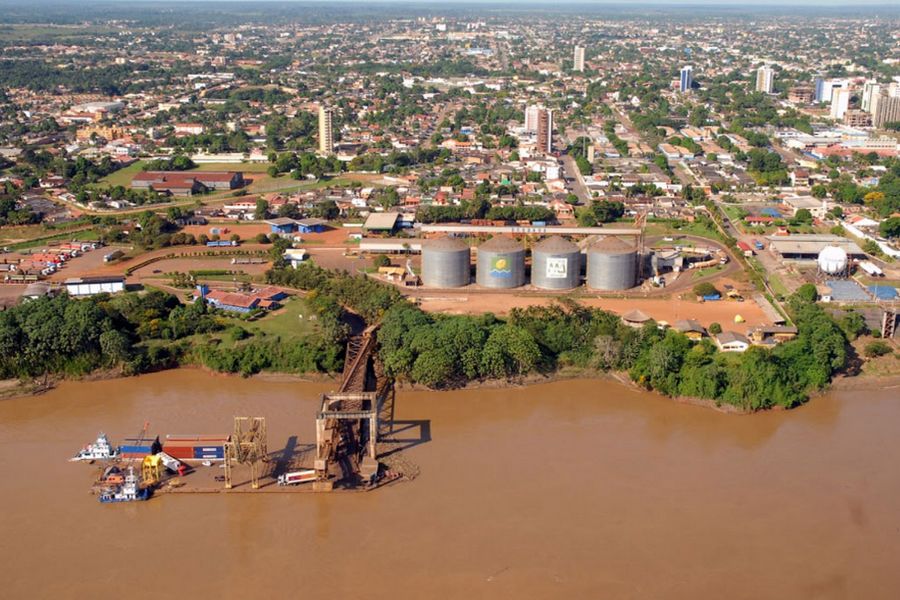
[500,267]
[557,268]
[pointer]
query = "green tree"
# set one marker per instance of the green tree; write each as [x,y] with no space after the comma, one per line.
[382,261]
[262,210]
[807,292]
[876,349]
[853,324]
[705,289]
[116,346]
[890,228]
[803,216]
[509,351]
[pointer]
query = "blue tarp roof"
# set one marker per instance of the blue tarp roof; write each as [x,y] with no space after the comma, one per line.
[883,292]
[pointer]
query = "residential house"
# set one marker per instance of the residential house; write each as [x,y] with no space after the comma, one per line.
[731,341]
[769,335]
[691,328]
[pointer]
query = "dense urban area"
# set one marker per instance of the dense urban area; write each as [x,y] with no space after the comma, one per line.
[411,299]
[711,206]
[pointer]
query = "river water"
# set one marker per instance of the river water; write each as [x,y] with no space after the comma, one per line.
[577,489]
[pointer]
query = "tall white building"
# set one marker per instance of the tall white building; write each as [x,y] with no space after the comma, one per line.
[531,118]
[578,59]
[840,102]
[871,90]
[326,133]
[765,79]
[825,88]
[687,79]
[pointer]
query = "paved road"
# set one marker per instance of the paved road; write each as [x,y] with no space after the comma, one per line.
[766,261]
[684,176]
[574,181]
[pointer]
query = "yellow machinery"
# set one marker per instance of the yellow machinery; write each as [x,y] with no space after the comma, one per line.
[150,470]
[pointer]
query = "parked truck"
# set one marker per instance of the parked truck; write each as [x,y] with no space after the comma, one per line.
[297,477]
[114,255]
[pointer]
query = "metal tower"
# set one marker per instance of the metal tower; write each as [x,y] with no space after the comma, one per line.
[248,445]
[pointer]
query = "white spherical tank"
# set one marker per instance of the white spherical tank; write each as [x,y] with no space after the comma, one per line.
[832,260]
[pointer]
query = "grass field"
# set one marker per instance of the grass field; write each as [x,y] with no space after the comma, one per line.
[255,167]
[778,286]
[663,243]
[286,321]
[734,212]
[698,273]
[695,229]
[122,176]
[85,234]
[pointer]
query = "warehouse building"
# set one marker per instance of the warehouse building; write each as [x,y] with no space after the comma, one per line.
[806,247]
[88,286]
[385,222]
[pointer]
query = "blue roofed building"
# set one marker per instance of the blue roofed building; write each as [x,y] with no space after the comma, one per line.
[282,225]
[287,226]
[311,225]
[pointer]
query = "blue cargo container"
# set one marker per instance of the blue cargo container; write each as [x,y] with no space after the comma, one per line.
[712,297]
[209,452]
[135,450]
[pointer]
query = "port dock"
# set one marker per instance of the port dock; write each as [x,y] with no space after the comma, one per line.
[354,450]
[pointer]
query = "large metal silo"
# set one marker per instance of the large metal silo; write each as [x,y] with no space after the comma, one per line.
[446,263]
[611,265]
[501,264]
[555,264]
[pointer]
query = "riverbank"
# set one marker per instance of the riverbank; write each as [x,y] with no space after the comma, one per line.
[865,382]
[12,389]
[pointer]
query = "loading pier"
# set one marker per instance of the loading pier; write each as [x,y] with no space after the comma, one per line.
[353,450]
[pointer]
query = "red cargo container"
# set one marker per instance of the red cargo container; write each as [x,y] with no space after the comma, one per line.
[179,452]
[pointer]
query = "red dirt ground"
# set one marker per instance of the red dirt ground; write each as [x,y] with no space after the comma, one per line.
[669,310]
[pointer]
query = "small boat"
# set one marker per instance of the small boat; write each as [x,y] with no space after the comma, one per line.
[206,463]
[130,491]
[99,450]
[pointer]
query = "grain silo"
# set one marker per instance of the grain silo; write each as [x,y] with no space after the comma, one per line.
[501,264]
[556,264]
[446,263]
[611,265]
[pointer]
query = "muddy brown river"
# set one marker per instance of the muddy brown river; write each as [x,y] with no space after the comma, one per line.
[576,489]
